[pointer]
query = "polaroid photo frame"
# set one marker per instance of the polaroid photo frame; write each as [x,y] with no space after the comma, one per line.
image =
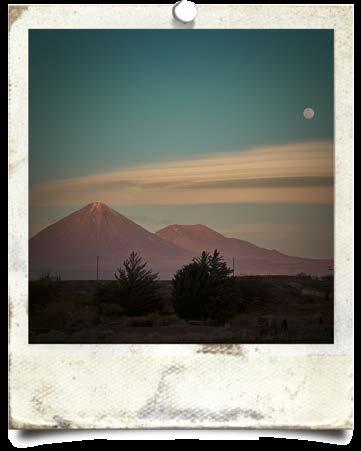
[145,386]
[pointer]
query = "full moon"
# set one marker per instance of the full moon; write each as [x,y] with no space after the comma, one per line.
[308,113]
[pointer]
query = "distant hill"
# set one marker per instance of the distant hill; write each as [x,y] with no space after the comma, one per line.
[248,258]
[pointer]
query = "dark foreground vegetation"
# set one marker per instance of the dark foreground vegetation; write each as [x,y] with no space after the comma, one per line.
[204,303]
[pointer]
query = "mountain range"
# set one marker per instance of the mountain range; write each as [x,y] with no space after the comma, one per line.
[70,247]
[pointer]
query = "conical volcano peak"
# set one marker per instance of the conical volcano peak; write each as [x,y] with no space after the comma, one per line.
[98,212]
[99,209]
[97,206]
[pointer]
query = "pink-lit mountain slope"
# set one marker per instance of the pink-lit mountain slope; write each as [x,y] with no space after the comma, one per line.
[70,246]
[248,258]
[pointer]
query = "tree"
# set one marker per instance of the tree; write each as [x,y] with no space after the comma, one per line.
[216,266]
[190,291]
[203,259]
[205,289]
[219,271]
[223,300]
[138,289]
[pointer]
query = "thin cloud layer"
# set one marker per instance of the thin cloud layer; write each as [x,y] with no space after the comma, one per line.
[293,173]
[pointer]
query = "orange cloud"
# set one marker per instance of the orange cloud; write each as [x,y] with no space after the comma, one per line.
[292,173]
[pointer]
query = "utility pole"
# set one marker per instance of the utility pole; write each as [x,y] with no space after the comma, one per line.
[233,266]
[97,267]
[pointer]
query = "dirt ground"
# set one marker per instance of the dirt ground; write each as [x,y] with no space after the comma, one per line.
[298,310]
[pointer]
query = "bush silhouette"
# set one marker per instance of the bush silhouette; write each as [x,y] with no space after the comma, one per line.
[205,289]
[217,267]
[191,291]
[107,293]
[252,287]
[42,292]
[224,302]
[138,289]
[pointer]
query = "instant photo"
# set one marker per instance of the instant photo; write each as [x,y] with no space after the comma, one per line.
[181,186]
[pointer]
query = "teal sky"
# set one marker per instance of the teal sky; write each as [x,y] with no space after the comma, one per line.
[106,100]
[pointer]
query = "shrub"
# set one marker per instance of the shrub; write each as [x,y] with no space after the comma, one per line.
[107,293]
[191,291]
[41,293]
[47,277]
[204,289]
[253,287]
[138,289]
[223,302]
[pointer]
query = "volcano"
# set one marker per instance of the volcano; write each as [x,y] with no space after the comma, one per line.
[246,257]
[70,246]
